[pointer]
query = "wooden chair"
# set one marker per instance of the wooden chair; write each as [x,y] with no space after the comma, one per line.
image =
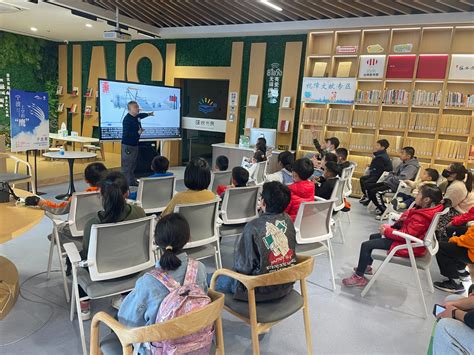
[264,315]
[122,339]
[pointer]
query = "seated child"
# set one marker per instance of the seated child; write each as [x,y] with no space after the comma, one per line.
[326,183]
[342,155]
[159,165]
[222,163]
[251,165]
[240,177]
[140,307]
[284,175]
[428,177]
[267,244]
[114,192]
[302,190]
[197,177]
[414,221]
[320,164]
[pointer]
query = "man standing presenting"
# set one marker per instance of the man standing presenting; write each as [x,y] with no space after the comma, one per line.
[131,131]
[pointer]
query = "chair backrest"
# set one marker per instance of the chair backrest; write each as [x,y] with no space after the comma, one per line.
[154,193]
[178,327]
[338,194]
[430,241]
[84,206]
[220,178]
[346,175]
[240,205]
[313,221]
[396,161]
[202,219]
[261,172]
[121,249]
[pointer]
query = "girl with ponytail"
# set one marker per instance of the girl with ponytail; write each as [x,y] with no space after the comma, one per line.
[459,192]
[141,306]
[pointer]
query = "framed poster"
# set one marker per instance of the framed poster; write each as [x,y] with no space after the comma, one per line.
[462,67]
[329,90]
[29,120]
[371,66]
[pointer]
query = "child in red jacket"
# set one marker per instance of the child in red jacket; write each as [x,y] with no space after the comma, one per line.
[302,190]
[414,221]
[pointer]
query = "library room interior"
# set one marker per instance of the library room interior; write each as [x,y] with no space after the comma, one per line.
[237,177]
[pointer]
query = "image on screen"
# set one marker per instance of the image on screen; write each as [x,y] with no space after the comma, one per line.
[163,101]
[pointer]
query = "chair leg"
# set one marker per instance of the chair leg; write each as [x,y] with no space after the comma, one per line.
[50,257]
[218,255]
[376,275]
[73,302]
[349,216]
[253,322]
[429,280]
[78,311]
[339,223]
[331,247]
[418,281]
[328,243]
[307,323]
[61,264]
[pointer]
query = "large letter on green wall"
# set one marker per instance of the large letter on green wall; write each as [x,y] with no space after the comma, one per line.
[145,50]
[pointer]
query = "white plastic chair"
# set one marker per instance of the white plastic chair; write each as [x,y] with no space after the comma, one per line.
[346,175]
[202,219]
[116,250]
[239,206]
[16,177]
[338,197]
[84,206]
[313,230]
[422,263]
[403,188]
[261,172]
[154,193]
[220,178]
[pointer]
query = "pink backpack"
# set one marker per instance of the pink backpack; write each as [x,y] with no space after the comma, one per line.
[181,300]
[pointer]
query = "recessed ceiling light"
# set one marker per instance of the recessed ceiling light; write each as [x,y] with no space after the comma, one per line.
[88,25]
[269,4]
[34,29]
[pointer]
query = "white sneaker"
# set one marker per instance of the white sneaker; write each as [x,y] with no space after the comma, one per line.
[117,301]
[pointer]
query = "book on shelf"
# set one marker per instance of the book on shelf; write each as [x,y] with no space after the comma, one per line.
[426,98]
[361,142]
[421,121]
[59,90]
[60,107]
[253,100]
[448,149]
[396,142]
[423,146]
[393,120]
[471,152]
[73,108]
[455,124]
[88,110]
[344,137]
[459,99]
[249,122]
[89,92]
[286,102]
[368,96]
[314,115]
[319,69]
[432,66]
[306,137]
[364,118]
[75,91]
[284,126]
[343,69]
[339,116]
[396,96]
[400,66]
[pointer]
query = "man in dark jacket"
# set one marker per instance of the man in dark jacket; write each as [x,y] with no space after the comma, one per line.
[131,131]
[380,163]
[267,244]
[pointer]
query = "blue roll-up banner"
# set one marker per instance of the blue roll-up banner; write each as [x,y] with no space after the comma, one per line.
[29,120]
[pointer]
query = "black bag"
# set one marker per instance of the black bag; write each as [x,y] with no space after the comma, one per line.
[5,192]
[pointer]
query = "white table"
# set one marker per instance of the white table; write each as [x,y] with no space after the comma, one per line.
[78,139]
[70,156]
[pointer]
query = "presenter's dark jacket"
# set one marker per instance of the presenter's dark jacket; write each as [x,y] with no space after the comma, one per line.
[131,125]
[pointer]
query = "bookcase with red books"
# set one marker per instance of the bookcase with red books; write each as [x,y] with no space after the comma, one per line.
[420,99]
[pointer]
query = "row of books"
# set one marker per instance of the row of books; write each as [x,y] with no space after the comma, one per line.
[368,96]
[339,116]
[365,118]
[420,121]
[306,137]
[362,142]
[426,98]
[393,120]
[459,124]
[314,115]
[451,149]
[423,146]
[344,137]
[459,99]
[396,96]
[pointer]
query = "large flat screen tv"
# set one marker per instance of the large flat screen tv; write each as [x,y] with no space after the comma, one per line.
[164,101]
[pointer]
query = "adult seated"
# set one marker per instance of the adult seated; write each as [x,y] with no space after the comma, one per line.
[454,332]
[407,170]
[452,257]
[380,163]
[267,244]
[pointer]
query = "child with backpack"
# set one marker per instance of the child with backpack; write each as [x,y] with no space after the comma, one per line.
[156,294]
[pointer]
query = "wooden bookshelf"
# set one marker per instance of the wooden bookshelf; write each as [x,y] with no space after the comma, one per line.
[432,127]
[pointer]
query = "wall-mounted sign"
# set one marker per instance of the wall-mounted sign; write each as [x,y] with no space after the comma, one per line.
[329,90]
[204,124]
[462,67]
[371,66]
[274,74]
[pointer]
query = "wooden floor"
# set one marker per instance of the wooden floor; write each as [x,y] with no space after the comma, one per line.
[51,172]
